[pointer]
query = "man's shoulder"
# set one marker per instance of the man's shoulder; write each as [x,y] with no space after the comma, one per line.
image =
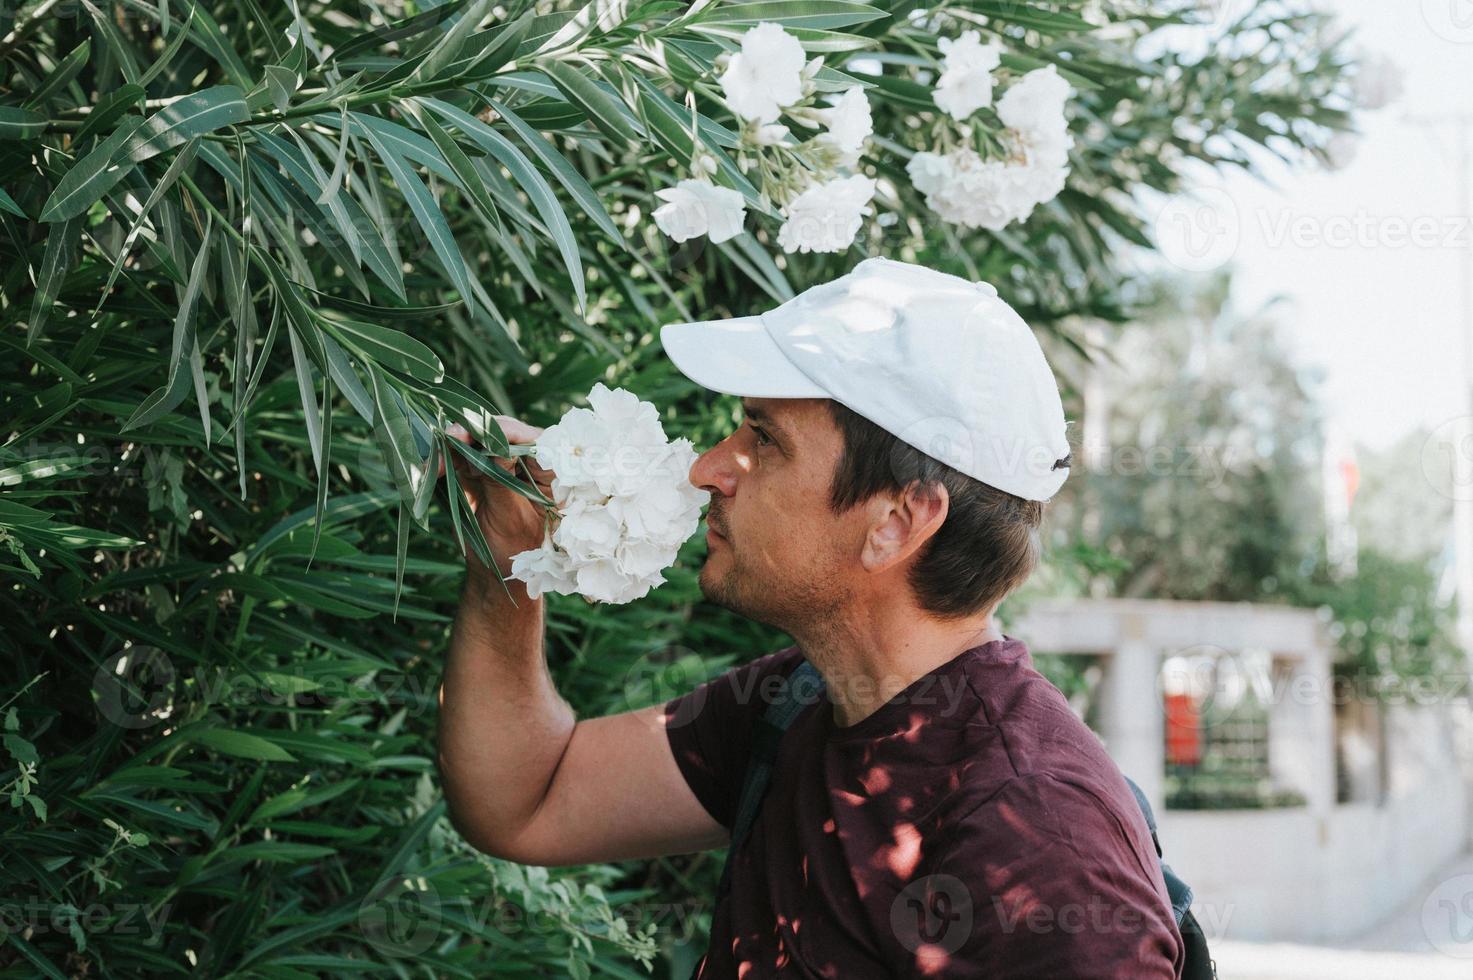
[1047,762]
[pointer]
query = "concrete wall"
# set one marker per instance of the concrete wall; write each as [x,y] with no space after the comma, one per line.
[1294,875]
[1315,873]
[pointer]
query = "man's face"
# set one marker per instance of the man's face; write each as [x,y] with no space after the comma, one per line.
[779,556]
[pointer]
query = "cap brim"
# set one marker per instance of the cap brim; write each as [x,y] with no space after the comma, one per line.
[736,357]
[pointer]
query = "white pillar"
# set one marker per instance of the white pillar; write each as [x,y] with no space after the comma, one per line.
[1131,718]
[1301,729]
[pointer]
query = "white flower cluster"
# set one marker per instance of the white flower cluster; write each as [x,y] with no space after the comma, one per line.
[765,79]
[966,189]
[966,83]
[624,500]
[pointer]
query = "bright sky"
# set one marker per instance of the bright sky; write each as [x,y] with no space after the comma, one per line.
[1368,255]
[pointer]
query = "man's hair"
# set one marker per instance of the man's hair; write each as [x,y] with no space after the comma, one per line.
[989,543]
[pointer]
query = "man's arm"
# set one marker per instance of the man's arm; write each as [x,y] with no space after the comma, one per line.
[525,780]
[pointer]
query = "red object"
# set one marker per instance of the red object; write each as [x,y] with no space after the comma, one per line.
[1183,731]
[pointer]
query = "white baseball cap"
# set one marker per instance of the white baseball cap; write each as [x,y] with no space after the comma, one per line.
[942,363]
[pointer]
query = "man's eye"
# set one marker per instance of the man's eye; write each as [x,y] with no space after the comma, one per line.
[763,439]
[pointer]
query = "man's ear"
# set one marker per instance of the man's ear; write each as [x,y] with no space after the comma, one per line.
[902,523]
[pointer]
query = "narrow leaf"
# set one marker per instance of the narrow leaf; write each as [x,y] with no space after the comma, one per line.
[431,220]
[531,181]
[604,110]
[390,348]
[20,124]
[92,176]
[194,115]
[61,76]
[61,251]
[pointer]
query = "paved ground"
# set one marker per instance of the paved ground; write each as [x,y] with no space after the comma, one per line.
[1431,938]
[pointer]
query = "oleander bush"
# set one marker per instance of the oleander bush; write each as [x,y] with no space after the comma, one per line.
[257,254]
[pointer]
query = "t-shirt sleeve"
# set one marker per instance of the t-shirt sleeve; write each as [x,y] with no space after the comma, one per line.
[1041,880]
[710,729]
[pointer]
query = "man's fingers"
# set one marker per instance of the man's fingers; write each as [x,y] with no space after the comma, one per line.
[517,432]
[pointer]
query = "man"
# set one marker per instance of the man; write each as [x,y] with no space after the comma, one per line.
[939,811]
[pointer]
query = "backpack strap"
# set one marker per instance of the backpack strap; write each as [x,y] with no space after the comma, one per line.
[1177,890]
[798,690]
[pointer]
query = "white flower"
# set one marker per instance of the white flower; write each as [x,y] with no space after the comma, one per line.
[977,193]
[586,531]
[965,84]
[929,171]
[766,75]
[623,410]
[568,447]
[771,135]
[1034,104]
[698,207]
[827,216]
[603,581]
[543,570]
[967,190]
[849,125]
[624,499]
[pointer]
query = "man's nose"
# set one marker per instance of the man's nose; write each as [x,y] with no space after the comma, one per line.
[715,471]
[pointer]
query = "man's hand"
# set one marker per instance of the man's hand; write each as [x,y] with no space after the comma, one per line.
[510,521]
[527,781]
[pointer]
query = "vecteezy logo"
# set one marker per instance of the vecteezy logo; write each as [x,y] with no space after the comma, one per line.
[651,681]
[1199,230]
[1451,20]
[934,912]
[133,687]
[1447,458]
[1447,917]
[401,916]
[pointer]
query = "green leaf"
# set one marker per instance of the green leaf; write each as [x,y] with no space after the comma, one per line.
[181,160]
[531,182]
[282,83]
[401,552]
[194,115]
[325,427]
[240,744]
[599,106]
[470,180]
[307,390]
[61,252]
[109,107]
[7,203]
[340,369]
[391,429]
[21,124]
[33,956]
[180,36]
[448,47]
[410,842]
[93,175]
[793,14]
[399,30]
[573,182]
[165,399]
[431,221]
[390,348]
[61,76]
[274,851]
[502,42]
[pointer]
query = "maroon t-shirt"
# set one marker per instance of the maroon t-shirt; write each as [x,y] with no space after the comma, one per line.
[970,827]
